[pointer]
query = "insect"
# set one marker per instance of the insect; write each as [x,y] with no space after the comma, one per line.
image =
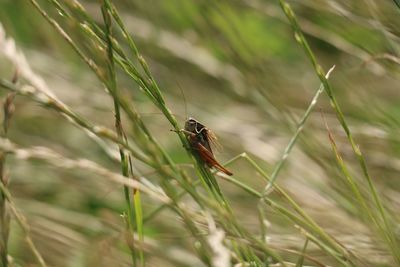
[199,138]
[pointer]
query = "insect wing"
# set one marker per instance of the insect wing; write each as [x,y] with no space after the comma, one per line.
[213,140]
[208,158]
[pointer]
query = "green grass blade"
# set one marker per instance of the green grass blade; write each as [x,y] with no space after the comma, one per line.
[393,244]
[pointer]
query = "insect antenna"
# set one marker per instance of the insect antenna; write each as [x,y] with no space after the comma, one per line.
[158,113]
[184,99]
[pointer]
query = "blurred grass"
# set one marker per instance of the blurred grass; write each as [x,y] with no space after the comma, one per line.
[245,77]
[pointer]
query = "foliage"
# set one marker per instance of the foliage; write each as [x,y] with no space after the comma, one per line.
[97,87]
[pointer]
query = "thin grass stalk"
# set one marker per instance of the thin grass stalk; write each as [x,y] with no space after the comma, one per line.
[122,102]
[22,222]
[350,180]
[55,159]
[386,228]
[157,210]
[205,174]
[300,261]
[153,84]
[63,162]
[294,138]
[127,108]
[397,2]
[129,68]
[285,155]
[263,222]
[244,235]
[67,38]
[330,248]
[339,258]
[154,212]
[240,185]
[167,113]
[305,221]
[71,116]
[4,220]
[120,56]
[4,209]
[313,226]
[125,162]
[253,240]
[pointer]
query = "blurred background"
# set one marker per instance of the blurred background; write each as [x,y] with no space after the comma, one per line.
[237,68]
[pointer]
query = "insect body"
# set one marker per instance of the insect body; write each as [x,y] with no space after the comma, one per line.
[199,138]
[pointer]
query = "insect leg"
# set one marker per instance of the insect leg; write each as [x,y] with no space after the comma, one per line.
[184,131]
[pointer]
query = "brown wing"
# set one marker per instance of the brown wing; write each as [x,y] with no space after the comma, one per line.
[209,159]
[213,140]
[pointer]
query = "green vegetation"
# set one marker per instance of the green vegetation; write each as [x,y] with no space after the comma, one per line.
[94,170]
